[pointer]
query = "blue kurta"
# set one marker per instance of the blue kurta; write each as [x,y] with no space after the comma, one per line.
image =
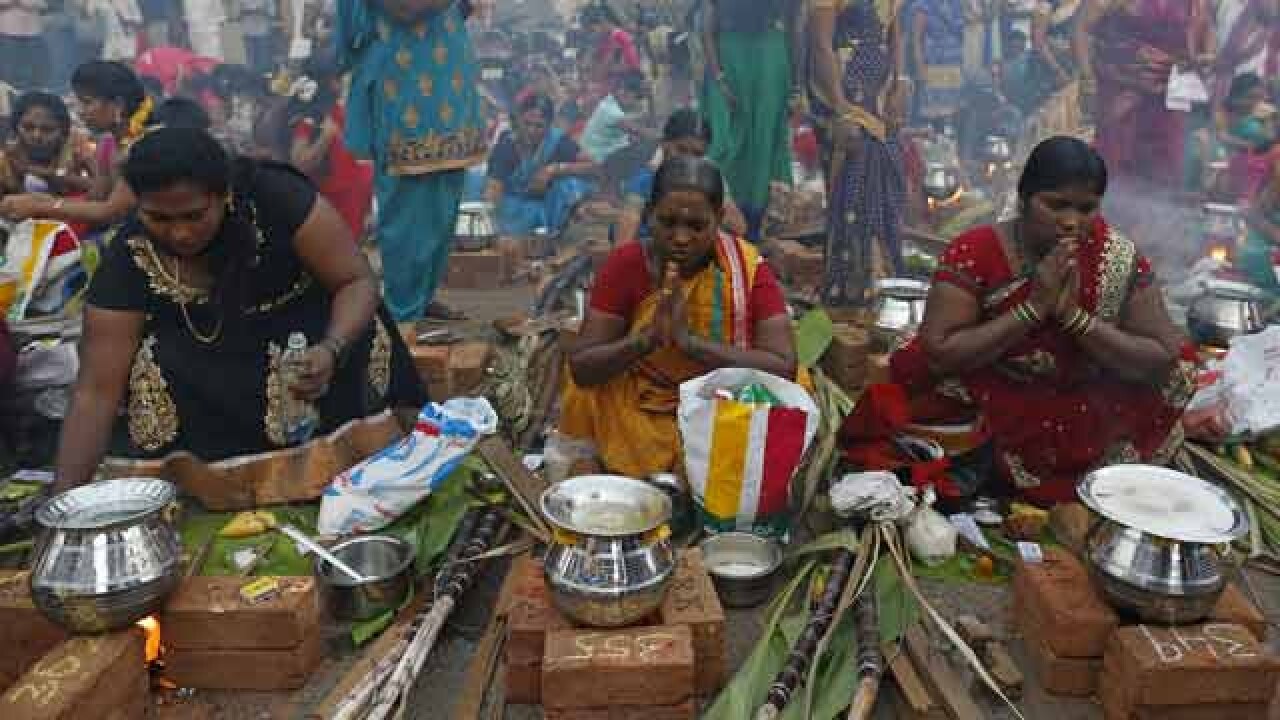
[415,111]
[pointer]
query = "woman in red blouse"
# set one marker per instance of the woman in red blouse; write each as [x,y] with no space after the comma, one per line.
[1053,327]
[689,301]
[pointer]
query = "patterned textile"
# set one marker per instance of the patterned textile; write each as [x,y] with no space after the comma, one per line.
[867,184]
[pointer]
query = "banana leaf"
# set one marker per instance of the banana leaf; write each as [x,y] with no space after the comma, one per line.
[748,688]
[814,333]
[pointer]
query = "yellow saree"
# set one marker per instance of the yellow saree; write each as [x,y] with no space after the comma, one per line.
[632,418]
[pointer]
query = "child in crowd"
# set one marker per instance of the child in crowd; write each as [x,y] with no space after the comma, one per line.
[616,137]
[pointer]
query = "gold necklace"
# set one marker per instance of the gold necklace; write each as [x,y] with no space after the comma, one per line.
[182,293]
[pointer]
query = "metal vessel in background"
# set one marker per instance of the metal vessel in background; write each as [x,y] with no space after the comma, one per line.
[1225,309]
[941,181]
[1155,551]
[742,567]
[475,229]
[107,555]
[611,558]
[899,308]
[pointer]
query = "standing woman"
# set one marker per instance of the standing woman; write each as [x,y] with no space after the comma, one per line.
[858,93]
[414,110]
[937,55]
[746,99]
[1052,66]
[1126,51]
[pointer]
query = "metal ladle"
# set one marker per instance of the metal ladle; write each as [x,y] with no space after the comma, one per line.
[299,537]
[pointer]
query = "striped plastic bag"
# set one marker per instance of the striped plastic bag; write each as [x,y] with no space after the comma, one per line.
[740,457]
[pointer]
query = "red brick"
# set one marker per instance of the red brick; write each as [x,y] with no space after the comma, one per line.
[1194,665]
[1072,677]
[803,265]
[480,270]
[687,710]
[1113,708]
[1234,608]
[25,634]
[523,682]
[637,666]
[1059,598]
[467,364]
[244,669]
[692,600]
[431,362]
[846,359]
[207,613]
[84,678]
[530,615]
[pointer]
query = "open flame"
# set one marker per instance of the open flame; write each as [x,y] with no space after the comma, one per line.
[945,202]
[151,630]
[1219,253]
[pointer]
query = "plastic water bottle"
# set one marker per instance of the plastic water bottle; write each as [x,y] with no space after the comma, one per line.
[300,416]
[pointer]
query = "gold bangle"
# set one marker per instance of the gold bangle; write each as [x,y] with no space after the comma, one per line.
[1072,320]
[1020,314]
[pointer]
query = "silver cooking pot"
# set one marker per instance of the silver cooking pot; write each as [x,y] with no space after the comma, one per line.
[899,309]
[1225,310]
[941,181]
[610,560]
[107,555]
[1155,551]
[996,149]
[475,229]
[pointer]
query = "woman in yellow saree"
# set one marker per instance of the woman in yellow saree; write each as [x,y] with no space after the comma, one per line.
[679,306]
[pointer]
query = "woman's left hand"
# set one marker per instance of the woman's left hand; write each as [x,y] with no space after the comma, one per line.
[316,371]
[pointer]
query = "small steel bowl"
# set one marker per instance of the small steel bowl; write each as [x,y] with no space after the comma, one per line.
[387,564]
[742,566]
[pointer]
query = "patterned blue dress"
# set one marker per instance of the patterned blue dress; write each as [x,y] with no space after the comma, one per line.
[867,190]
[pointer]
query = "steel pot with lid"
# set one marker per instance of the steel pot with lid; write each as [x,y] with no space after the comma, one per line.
[996,149]
[1225,309]
[1155,550]
[611,558]
[941,181]
[107,555]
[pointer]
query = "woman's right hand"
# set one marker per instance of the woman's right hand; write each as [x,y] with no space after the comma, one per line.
[1050,278]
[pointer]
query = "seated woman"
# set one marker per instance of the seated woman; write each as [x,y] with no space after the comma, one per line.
[1053,326]
[43,154]
[685,134]
[1257,259]
[1247,131]
[535,171]
[188,315]
[690,301]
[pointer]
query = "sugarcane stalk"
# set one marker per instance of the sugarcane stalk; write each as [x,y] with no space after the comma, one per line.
[452,583]
[870,660]
[820,620]
[358,698]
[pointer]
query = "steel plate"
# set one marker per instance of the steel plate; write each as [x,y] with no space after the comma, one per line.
[1164,503]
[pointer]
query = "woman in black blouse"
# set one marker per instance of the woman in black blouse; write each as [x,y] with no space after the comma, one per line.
[197,295]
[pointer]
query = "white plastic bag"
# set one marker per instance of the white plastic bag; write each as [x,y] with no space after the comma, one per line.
[740,457]
[1251,379]
[930,538]
[375,492]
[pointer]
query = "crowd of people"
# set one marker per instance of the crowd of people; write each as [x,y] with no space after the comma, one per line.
[227,163]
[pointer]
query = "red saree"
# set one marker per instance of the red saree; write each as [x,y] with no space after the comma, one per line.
[1054,414]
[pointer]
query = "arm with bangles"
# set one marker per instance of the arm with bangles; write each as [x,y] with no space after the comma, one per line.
[1141,347]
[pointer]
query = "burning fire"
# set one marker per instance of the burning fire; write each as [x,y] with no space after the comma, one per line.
[947,202]
[1219,253]
[151,628]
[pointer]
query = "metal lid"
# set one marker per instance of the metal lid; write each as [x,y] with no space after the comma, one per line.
[1164,503]
[606,505]
[106,503]
[902,288]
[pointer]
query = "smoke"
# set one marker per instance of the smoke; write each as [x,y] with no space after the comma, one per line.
[1164,224]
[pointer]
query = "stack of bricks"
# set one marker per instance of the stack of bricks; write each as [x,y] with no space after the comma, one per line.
[450,370]
[801,265]
[846,360]
[1078,646]
[216,639]
[25,634]
[655,671]
[478,269]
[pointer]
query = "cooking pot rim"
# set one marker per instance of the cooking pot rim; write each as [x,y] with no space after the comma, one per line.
[153,494]
[553,499]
